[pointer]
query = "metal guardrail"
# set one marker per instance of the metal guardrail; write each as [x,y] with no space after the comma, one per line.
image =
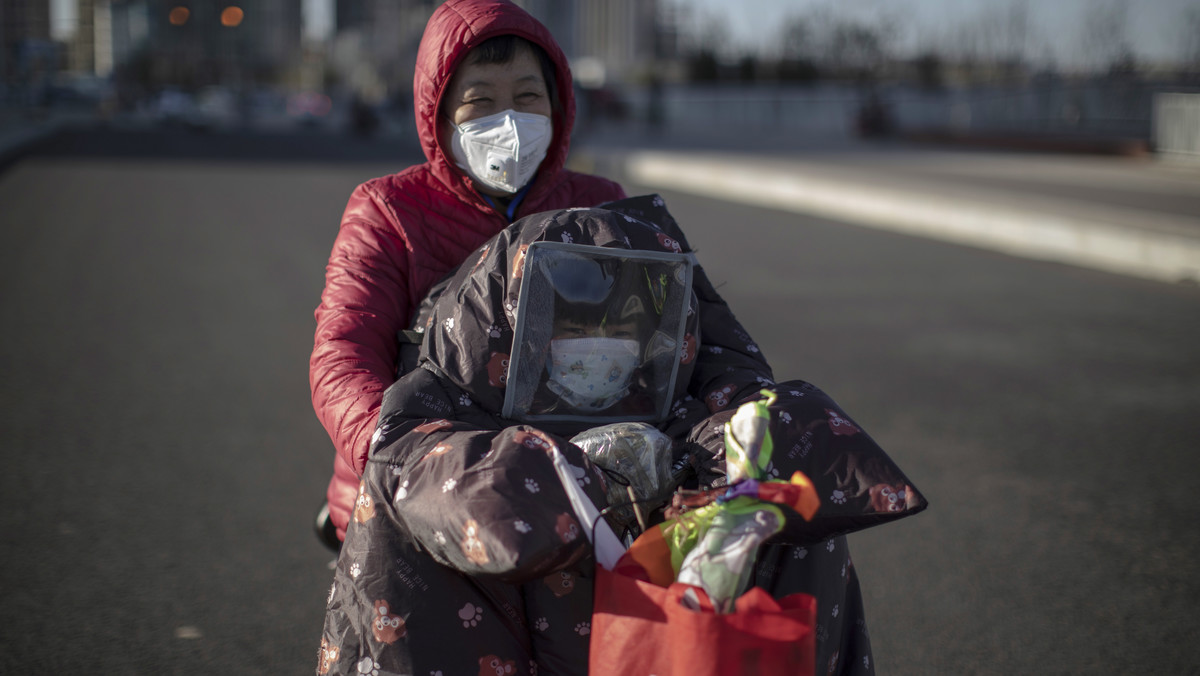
[1177,125]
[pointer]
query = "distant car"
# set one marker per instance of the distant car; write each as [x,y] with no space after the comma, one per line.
[309,108]
[174,107]
[216,108]
[82,91]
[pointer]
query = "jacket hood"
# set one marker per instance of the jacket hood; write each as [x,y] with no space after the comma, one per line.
[454,29]
[470,331]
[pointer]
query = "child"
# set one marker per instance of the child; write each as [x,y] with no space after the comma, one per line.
[464,553]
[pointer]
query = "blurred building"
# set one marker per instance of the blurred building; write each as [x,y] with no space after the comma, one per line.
[241,43]
[608,41]
[374,47]
[25,43]
[190,44]
[196,44]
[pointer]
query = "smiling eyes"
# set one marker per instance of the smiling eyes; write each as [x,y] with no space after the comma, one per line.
[526,98]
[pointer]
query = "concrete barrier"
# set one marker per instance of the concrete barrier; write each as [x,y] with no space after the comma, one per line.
[1153,246]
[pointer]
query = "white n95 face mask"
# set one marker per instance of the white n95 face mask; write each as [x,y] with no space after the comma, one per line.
[502,151]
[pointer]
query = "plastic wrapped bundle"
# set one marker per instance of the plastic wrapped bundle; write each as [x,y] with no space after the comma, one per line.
[637,452]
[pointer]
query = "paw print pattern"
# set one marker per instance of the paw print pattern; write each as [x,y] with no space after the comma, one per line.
[449,323]
[829,546]
[367,666]
[566,237]
[581,476]
[355,570]
[658,201]
[800,552]
[836,610]
[752,348]
[521,526]
[402,491]
[494,331]
[785,417]
[583,628]
[449,485]
[439,537]
[838,497]
[532,486]
[470,615]
[541,624]
[464,400]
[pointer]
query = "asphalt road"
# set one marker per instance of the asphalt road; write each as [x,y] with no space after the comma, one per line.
[162,459]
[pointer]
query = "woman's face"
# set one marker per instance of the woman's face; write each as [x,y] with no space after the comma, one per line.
[481,89]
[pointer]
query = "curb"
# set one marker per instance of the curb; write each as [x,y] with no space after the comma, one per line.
[1158,247]
[16,145]
[1123,147]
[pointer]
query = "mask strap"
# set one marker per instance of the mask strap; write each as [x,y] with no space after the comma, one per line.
[513,203]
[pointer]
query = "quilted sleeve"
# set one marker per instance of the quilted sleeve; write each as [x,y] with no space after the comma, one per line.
[486,503]
[858,483]
[364,303]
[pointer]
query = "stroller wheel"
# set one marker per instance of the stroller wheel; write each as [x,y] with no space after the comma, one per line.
[325,530]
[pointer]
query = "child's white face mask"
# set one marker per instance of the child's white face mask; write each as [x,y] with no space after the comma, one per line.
[591,374]
[502,151]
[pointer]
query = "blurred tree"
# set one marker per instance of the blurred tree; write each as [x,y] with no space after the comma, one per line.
[747,68]
[702,66]
[929,73]
[796,40]
[1189,53]
[706,45]
[1104,38]
[797,52]
[799,70]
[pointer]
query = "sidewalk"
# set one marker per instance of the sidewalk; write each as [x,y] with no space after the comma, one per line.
[1137,216]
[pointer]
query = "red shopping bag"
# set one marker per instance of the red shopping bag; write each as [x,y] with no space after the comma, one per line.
[641,628]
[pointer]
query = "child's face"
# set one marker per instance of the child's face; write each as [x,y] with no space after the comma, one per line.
[573,328]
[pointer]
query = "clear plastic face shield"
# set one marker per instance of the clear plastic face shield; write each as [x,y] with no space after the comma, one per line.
[598,334]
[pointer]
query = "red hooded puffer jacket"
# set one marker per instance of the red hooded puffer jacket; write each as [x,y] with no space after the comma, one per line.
[401,233]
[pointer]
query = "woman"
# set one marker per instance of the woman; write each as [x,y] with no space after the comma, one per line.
[487,75]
